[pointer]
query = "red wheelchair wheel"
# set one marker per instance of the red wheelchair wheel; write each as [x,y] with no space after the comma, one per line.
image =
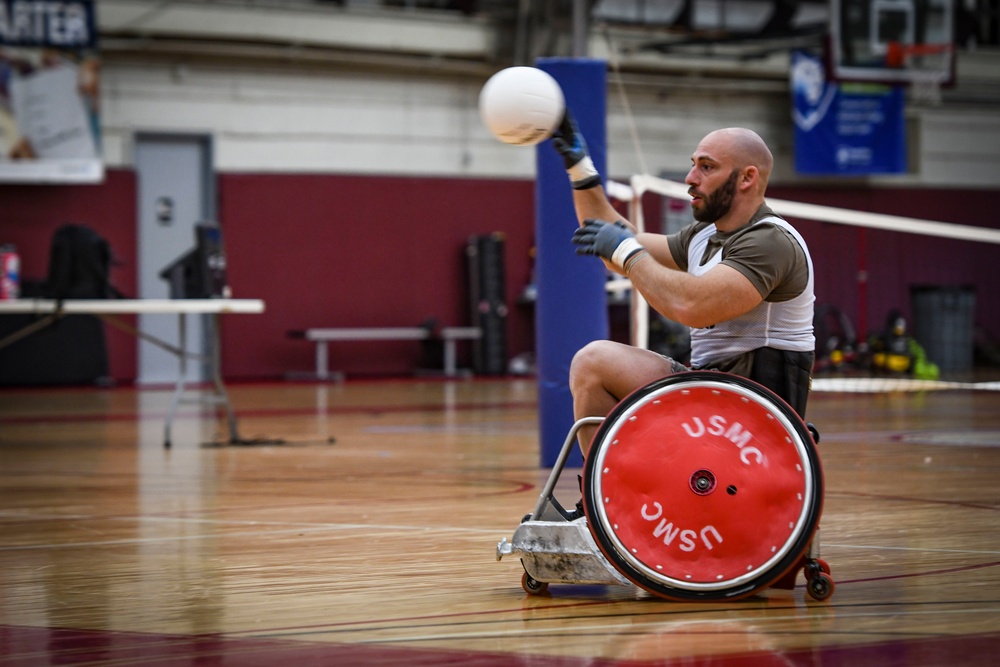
[703,486]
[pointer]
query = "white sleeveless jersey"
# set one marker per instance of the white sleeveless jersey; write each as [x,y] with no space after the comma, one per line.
[785,325]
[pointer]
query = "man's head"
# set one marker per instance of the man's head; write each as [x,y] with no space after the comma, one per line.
[728,176]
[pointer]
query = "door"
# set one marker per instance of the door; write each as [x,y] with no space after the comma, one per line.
[175,191]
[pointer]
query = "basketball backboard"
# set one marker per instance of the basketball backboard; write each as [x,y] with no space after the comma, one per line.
[892,41]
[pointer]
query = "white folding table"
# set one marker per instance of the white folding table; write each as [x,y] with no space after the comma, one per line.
[109,310]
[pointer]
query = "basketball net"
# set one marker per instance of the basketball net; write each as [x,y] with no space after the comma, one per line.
[928,65]
[926,91]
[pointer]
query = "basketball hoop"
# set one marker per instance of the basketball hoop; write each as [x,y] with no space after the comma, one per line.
[927,65]
[899,55]
[893,42]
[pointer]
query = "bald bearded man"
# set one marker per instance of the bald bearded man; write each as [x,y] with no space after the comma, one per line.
[739,276]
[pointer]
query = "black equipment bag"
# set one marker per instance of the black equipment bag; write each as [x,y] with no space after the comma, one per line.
[79,265]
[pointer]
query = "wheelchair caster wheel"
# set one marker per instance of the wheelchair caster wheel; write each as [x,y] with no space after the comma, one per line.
[820,586]
[532,586]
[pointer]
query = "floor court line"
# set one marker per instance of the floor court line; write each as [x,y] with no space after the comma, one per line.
[595,629]
[637,628]
[670,611]
[872,547]
[385,528]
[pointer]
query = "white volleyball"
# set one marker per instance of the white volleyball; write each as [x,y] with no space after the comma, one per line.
[521,105]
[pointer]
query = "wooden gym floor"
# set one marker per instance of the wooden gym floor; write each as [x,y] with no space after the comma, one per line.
[369,536]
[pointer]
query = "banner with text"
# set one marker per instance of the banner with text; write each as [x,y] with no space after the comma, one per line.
[49,92]
[845,128]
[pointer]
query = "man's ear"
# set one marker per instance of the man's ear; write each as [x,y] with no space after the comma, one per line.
[749,177]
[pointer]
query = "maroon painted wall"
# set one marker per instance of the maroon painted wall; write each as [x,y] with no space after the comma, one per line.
[343,251]
[355,251]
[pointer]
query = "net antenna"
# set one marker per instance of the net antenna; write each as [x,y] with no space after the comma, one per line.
[639,309]
[641,184]
[620,85]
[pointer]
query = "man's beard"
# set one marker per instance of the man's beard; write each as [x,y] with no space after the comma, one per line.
[718,203]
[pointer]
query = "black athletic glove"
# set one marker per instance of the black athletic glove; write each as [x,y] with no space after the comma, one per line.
[572,147]
[613,241]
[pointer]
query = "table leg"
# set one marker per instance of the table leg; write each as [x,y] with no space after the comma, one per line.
[30,329]
[220,388]
[179,387]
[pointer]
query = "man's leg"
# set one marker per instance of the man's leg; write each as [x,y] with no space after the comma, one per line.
[604,372]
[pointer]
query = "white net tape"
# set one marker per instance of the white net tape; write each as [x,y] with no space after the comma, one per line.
[643,183]
[841,216]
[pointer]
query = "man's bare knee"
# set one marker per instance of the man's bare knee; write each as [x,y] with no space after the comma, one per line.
[590,356]
[592,363]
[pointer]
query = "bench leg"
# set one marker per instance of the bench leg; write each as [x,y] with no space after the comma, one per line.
[323,373]
[322,360]
[449,357]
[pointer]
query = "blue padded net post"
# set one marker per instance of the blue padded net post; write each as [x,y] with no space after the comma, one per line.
[571,309]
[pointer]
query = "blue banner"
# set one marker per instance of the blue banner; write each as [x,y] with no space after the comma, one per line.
[845,128]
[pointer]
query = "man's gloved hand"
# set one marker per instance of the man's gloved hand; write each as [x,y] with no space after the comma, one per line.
[612,241]
[572,147]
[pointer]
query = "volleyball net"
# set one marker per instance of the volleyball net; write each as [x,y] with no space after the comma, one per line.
[867,263]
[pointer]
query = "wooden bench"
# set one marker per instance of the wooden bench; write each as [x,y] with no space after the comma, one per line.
[322,337]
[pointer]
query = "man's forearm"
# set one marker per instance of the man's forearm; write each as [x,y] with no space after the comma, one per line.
[593,204]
